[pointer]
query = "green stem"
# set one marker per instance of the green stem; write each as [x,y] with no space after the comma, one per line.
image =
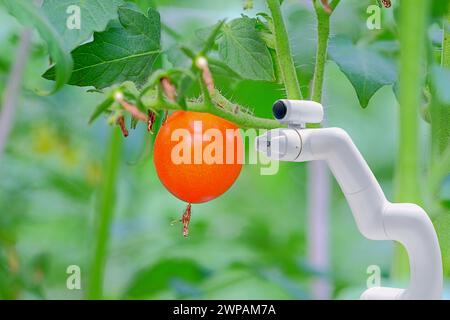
[106,203]
[283,49]
[221,107]
[440,162]
[171,32]
[441,166]
[412,28]
[440,158]
[412,33]
[446,41]
[323,33]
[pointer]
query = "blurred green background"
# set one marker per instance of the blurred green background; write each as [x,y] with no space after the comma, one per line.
[249,243]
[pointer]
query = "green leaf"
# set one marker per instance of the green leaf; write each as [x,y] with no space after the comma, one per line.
[94,16]
[203,33]
[243,49]
[221,69]
[143,5]
[366,69]
[126,50]
[440,108]
[102,107]
[32,16]
[212,36]
[156,278]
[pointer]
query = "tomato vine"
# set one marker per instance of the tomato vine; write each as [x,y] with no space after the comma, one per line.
[142,82]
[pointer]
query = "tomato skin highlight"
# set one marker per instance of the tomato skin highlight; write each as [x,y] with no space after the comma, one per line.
[197,182]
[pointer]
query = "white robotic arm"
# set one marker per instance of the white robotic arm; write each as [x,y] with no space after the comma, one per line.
[376,217]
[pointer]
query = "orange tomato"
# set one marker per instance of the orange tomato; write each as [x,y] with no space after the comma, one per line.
[198,156]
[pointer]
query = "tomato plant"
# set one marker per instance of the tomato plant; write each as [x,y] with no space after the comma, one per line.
[146,74]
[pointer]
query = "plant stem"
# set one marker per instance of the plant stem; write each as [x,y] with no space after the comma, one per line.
[446,41]
[440,156]
[441,160]
[412,33]
[413,16]
[283,49]
[106,202]
[13,88]
[225,109]
[323,33]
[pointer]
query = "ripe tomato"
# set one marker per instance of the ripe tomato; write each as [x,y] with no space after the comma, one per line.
[198,156]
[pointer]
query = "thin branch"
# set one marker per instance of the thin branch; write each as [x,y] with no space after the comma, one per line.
[13,88]
[131,109]
[202,64]
[243,120]
[218,105]
[106,202]
[169,89]
[222,108]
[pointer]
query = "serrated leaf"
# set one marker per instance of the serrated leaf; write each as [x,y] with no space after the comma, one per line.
[221,69]
[208,35]
[366,69]
[203,33]
[266,29]
[126,50]
[243,49]
[94,15]
[32,16]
